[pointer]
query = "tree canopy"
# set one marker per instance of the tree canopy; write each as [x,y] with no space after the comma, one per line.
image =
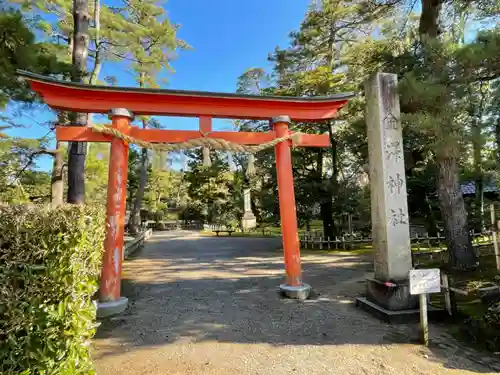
[444,53]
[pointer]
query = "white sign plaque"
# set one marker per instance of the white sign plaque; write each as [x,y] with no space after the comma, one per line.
[425,281]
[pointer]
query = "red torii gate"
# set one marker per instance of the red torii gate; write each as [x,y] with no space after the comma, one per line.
[121,102]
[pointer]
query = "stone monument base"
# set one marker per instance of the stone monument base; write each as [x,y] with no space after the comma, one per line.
[399,316]
[248,221]
[393,302]
[391,296]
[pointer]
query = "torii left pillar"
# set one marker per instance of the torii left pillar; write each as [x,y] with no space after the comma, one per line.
[110,300]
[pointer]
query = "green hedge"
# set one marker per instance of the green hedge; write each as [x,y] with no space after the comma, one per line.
[49,269]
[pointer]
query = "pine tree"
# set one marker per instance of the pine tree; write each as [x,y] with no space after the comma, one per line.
[150,42]
[435,91]
[314,66]
[78,150]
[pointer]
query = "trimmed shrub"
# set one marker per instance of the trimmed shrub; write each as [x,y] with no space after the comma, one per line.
[492,323]
[49,268]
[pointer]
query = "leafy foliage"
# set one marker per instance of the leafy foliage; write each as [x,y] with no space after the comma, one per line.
[96,173]
[149,40]
[19,180]
[213,191]
[49,267]
[18,50]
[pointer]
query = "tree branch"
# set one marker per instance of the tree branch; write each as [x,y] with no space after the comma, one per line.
[31,158]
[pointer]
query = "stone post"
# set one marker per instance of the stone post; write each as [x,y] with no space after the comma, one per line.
[248,221]
[389,288]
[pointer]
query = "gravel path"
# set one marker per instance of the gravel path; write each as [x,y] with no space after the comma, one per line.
[206,305]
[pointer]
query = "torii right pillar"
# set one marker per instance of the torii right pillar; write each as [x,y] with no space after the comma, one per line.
[387,293]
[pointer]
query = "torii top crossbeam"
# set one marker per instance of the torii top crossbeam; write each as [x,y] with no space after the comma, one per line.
[100,99]
[79,97]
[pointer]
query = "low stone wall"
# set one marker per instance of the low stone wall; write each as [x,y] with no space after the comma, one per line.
[137,243]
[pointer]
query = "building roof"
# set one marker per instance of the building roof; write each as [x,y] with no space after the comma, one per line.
[469,187]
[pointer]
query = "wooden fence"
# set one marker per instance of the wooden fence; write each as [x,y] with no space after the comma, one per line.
[423,247]
[315,240]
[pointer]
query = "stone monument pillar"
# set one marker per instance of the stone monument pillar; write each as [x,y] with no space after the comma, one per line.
[248,221]
[389,288]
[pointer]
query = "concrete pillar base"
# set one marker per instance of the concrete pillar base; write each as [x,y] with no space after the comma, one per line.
[391,296]
[110,308]
[399,316]
[296,292]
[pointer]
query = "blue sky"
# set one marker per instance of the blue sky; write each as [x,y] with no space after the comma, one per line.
[227,36]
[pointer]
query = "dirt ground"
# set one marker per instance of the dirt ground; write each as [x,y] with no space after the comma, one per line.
[209,305]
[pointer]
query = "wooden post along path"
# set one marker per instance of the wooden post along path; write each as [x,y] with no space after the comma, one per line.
[494,235]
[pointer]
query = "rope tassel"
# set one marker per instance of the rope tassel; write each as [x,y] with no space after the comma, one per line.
[206,157]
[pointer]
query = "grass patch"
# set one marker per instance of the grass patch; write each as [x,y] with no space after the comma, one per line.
[255,233]
[484,275]
[358,251]
[474,323]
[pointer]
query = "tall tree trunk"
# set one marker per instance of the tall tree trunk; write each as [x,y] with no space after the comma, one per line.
[94,75]
[476,113]
[308,224]
[334,179]
[326,205]
[430,219]
[326,212]
[462,254]
[78,150]
[56,181]
[135,213]
[429,19]
[497,141]
[478,171]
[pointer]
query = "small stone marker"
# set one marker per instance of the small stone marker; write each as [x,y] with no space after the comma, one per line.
[248,220]
[423,282]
